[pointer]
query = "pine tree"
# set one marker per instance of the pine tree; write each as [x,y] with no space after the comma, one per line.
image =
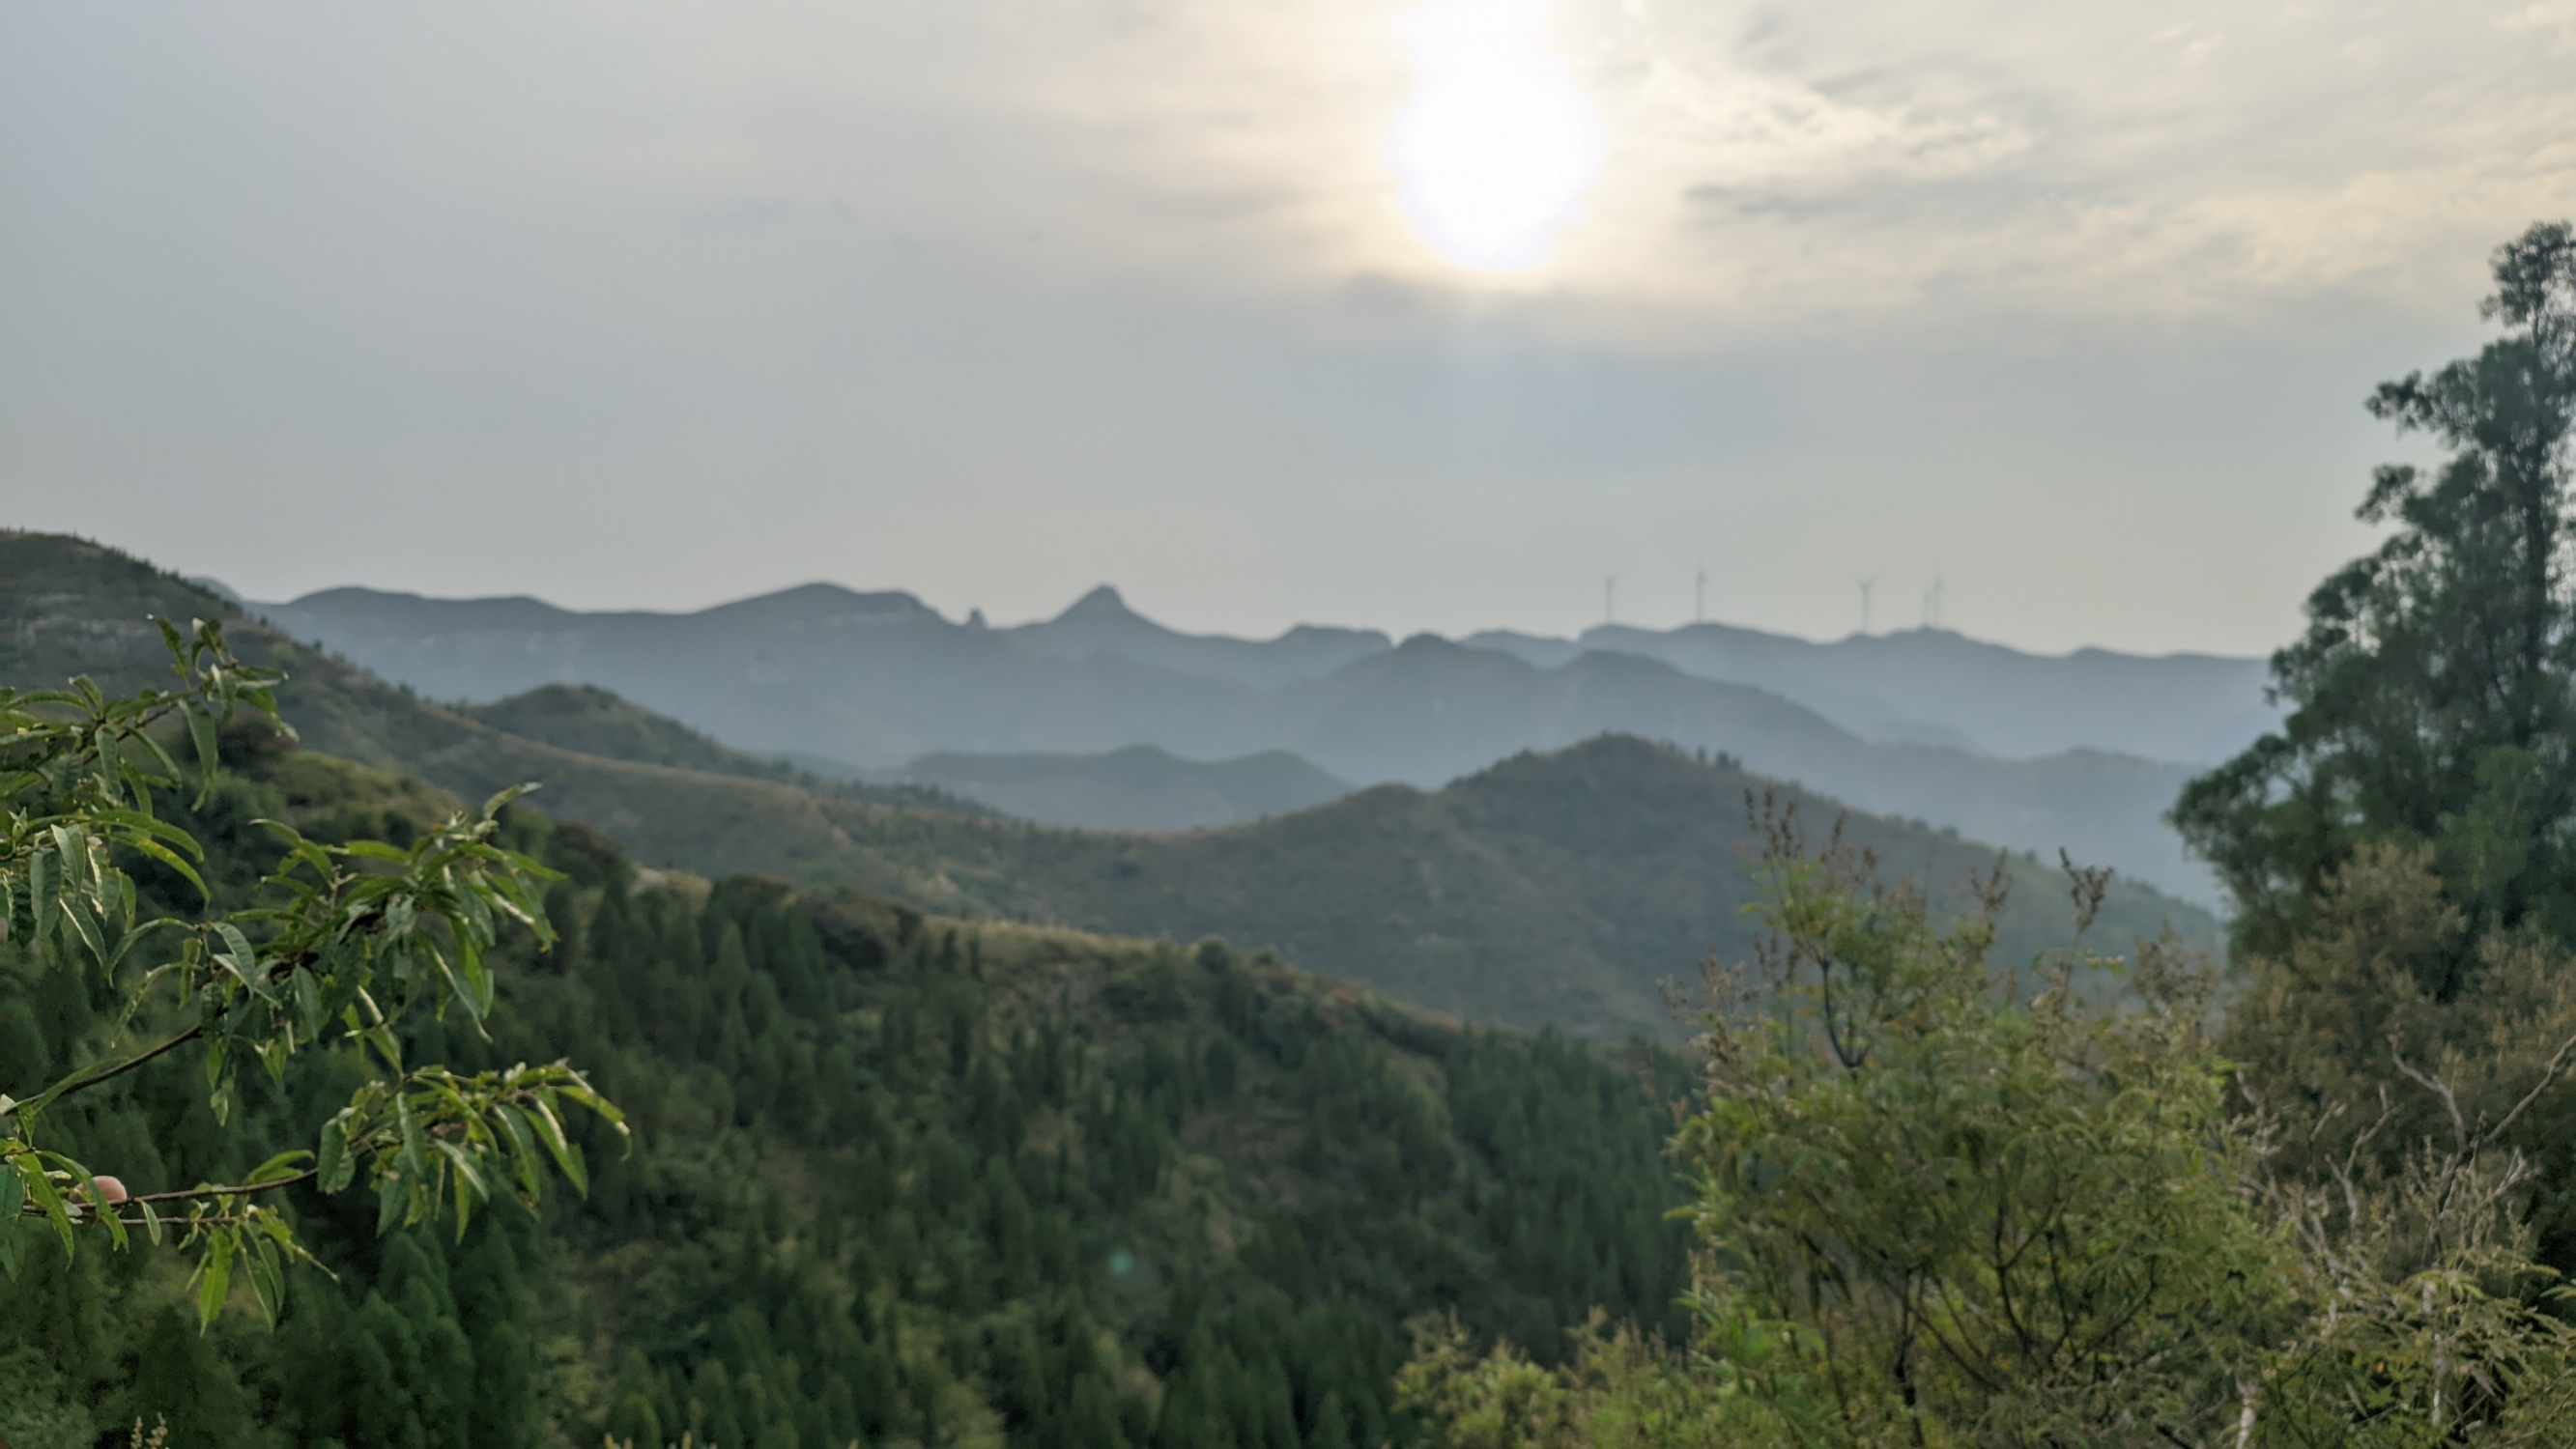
[2433,697]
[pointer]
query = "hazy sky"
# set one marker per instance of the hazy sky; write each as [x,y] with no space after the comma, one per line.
[1358,311]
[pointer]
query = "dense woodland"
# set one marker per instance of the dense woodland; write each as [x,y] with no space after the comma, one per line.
[895,1180]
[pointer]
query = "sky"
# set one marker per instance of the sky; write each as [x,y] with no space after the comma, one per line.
[1377,312]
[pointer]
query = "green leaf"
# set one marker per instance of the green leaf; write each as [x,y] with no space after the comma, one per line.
[308,1003]
[523,1154]
[333,1162]
[71,852]
[31,1171]
[267,1280]
[387,1046]
[111,767]
[146,845]
[40,895]
[214,1276]
[567,1155]
[201,731]
[82,920]
[298,848]
[283,1165]
[467,1171]
[414,1160]
[238,953]
[466,1183]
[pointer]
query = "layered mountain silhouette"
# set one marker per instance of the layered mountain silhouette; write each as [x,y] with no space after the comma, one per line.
[1933,686]
[2083,752]
[1554,888]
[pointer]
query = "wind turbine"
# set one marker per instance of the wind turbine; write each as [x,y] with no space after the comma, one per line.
[1699,596]
[1866,585]
[1609,597]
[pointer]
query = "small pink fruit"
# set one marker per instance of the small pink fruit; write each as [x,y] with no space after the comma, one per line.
[111,1189]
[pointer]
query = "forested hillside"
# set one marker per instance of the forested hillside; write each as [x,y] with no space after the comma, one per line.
[896,1179]
[1562,888]
[1551,889]
[1138,788]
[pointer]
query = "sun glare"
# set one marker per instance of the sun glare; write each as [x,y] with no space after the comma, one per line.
[1498,143]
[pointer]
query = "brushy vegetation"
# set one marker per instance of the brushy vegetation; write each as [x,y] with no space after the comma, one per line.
[1933,1212]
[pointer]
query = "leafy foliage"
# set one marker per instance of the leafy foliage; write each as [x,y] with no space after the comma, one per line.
[1932,1213]
[1939,1213]
[353,937]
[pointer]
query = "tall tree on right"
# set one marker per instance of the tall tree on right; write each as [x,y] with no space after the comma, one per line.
[2433,697]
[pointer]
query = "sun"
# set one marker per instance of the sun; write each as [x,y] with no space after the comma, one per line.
[1498,144]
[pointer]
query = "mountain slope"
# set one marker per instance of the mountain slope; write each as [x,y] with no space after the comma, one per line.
[1433,711]
[1559,888]
[1138,788]
[593,721]
[588,720]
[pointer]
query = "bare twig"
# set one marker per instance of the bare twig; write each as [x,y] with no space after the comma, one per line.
[83,1084]
[2439,1088]
[2548,1074]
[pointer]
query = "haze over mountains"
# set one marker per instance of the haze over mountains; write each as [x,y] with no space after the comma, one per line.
[2083,752]
[1552,888]
[1932,686]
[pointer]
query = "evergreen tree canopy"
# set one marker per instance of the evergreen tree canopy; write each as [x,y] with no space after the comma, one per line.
[2431,696]
[894,1178]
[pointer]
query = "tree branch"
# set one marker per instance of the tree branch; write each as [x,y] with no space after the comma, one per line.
[83,1084]
[2439,1088]
[189,1195]
[2548,1074]
[307,1175]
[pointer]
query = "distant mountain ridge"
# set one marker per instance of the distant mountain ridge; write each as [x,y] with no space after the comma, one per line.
[880,679]
[1933,686]
[1551,888]
[1101,623]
